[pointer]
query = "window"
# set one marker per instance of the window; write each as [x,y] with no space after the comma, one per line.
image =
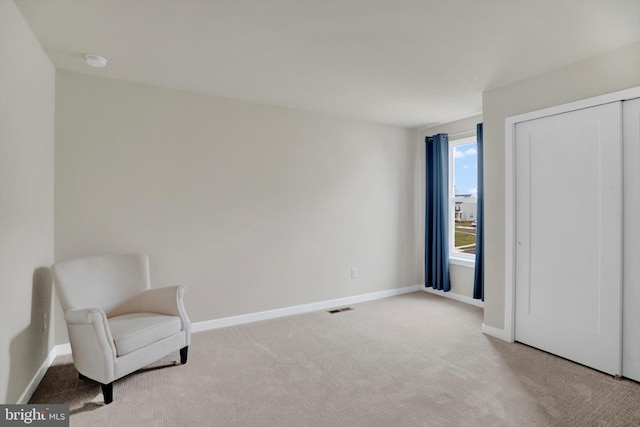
[463,200]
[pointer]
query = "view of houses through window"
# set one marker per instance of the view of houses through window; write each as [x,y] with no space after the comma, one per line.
[463,201]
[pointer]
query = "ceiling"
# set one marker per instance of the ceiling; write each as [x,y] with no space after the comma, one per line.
[410,63]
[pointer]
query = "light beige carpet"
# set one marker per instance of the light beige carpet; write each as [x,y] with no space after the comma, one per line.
[411,360]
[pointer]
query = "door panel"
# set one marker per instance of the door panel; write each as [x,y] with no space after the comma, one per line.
[568,235]
[631,271]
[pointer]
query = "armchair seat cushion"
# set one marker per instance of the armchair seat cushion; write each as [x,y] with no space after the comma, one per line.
[131,332]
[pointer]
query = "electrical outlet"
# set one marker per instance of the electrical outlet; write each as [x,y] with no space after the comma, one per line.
[45,321]
[354,273]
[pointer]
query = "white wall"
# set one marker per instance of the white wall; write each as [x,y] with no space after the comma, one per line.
[616,70]
[462,277]
[26,202]
[252,207]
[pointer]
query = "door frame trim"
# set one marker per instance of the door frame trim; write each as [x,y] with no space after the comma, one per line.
[510,199]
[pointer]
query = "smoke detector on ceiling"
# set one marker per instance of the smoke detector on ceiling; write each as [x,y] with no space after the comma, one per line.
[96,61]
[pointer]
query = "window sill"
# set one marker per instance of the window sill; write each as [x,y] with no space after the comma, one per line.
[470,263]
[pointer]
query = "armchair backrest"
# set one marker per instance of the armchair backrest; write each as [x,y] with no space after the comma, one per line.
[103,281]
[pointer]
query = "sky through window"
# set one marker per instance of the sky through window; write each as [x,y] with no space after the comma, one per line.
[465,161]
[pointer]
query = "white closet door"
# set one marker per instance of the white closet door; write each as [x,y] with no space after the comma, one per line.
[569,235]
[631,282]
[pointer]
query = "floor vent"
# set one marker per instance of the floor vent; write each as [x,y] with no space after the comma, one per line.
[338,310]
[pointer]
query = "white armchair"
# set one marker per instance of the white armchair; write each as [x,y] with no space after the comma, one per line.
[116,323]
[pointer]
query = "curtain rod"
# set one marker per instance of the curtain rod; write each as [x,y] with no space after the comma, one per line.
[461,133]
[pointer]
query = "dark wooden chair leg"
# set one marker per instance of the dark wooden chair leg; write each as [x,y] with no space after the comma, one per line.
[107,392]
[183,354]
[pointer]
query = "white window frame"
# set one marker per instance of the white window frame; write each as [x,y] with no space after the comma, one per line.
[457,258]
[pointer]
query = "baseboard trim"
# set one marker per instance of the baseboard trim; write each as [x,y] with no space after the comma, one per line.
[457,297]
[35,381]
[298,309]
[63,349]
[497,333]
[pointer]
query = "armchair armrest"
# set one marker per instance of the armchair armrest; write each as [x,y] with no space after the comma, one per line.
[82,316]
[91,343]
